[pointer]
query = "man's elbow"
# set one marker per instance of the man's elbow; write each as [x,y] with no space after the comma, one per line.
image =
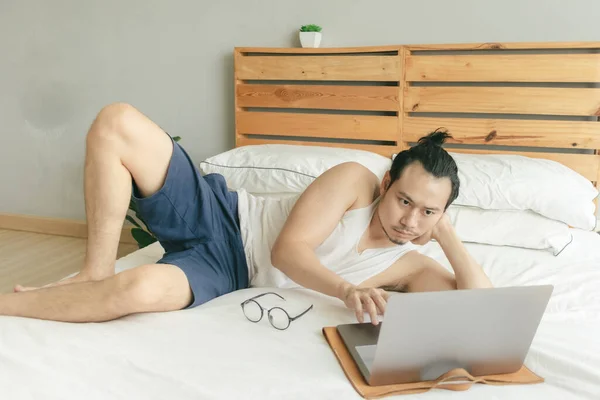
[278,255]
[482,283]
[447,283]
[286,253]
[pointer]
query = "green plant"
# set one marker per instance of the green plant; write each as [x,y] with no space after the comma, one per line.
[139,230]
[310,28]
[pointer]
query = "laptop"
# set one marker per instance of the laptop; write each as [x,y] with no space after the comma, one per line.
[424,335]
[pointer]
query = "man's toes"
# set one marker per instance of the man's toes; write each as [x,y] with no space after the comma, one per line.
[74,279]
[19,288]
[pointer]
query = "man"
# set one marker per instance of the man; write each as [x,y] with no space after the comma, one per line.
[196,220]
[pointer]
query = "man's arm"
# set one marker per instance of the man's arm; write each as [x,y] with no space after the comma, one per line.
[313,218]
[311,221]
[415,272]
[469,274]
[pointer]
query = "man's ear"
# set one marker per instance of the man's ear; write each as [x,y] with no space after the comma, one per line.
[385,182]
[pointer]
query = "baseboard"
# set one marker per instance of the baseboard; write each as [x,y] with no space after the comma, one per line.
[54,226]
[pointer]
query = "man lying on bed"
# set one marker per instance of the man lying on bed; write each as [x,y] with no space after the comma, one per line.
[196,220]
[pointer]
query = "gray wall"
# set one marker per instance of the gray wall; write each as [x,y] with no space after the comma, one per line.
[62,60]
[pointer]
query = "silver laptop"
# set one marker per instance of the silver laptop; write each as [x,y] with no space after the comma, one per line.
[424,335]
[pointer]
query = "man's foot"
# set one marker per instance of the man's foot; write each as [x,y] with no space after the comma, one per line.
[74,279]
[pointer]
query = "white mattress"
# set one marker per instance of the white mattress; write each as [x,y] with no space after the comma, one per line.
[213,352]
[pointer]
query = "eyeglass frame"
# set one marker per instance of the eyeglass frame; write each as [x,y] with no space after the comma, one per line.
[263,309]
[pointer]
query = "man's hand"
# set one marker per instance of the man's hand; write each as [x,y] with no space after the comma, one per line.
[371,300]
[434,233]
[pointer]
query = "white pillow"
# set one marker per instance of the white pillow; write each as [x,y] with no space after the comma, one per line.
[282,168]
[510,182]
[515,228]
[488,181]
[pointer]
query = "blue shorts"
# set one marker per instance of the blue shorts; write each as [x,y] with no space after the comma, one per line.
[195,219]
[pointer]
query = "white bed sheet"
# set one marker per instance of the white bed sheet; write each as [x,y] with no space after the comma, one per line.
[213,352]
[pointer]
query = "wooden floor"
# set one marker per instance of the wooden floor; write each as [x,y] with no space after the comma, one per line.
[33,259]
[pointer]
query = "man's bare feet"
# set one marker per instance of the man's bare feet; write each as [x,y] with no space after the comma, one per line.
[80,277]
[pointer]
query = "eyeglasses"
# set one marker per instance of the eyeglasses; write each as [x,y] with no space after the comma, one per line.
[278,317]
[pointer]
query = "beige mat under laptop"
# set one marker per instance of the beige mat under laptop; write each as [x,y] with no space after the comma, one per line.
[456,379]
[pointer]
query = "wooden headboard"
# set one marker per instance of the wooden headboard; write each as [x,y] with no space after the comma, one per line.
[541,97]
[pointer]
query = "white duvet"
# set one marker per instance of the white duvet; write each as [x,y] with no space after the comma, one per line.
[213,352]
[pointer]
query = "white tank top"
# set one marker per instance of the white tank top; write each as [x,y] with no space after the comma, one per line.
[262,218]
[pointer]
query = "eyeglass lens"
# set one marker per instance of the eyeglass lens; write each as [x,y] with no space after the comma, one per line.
[252,311]
[279,318]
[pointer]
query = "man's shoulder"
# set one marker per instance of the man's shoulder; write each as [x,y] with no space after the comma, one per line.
[365,184]
[356,174]
[344,187]
[355,167]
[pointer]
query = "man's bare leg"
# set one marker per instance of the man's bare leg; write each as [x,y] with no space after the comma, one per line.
[149,288]
[121,144]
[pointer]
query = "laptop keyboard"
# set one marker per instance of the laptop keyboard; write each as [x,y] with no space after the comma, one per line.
[367,354]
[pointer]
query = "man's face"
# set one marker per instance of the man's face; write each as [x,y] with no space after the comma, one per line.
[413,204]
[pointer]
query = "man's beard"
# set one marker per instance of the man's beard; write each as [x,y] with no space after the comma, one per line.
[395,241]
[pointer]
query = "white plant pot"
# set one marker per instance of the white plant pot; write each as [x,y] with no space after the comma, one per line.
[310,39]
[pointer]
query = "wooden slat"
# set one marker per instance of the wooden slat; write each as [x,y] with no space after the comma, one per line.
[506,46]
[509,100]
[333,68]
[373,98]
[505,68]
[587,165]
[385,151]
[433,46]
[320,50]
[364,127]
[508,132]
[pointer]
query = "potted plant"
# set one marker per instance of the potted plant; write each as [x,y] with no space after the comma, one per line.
[310,35]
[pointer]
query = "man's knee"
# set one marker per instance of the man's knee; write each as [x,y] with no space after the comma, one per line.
[114,120]
[133,291]
[146,289]
[117,115]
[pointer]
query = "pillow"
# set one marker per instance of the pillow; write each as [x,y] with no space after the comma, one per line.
[283,168]
[511,182]
[488,181]
[515,228]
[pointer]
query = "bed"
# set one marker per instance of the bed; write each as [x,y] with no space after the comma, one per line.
[539,97]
